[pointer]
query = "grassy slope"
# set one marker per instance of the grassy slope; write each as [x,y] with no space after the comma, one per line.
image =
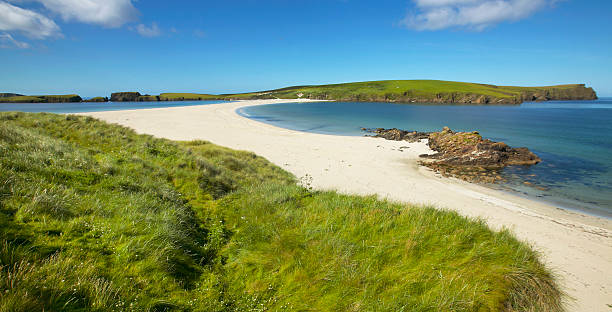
[96,217]
[419,91]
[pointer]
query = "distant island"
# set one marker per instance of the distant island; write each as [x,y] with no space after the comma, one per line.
[19,98]
[398,91]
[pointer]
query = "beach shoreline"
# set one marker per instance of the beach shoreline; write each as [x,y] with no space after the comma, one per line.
[578,247]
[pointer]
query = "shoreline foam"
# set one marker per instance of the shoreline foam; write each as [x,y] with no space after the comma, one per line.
[577,246]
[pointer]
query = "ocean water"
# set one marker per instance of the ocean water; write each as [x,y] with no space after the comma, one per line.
[573,138]
[62,108]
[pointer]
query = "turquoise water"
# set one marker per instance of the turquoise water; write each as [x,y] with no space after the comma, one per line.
[574,139]
[62,108]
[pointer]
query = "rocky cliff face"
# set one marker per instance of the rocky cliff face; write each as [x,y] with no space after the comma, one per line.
[125,96]
[577,92]
[61,98]
[133,97]
[98,99]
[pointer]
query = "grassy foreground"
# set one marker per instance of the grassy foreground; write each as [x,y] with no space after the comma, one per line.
[95,217]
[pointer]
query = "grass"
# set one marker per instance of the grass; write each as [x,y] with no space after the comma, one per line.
[95,217]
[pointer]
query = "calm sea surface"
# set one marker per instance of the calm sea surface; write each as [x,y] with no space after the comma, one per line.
[61,108]
[574,139]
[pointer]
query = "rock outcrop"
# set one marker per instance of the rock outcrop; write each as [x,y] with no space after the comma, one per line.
[71,98]
[398,134]
[577,92]
[470,149]
[125,96]
[465,155]
[98,99]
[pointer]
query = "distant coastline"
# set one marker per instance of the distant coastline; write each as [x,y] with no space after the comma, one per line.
[395,91]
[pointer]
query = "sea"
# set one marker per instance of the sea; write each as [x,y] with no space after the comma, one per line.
[573,138]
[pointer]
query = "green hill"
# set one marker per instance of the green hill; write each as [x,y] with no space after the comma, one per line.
[94,217]
[426,91]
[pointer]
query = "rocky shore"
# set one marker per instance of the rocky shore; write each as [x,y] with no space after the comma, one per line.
[464,155]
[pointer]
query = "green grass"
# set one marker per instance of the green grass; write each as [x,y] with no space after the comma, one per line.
[94,217]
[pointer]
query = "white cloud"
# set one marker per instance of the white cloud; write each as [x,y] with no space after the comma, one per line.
[474,14]
[108,13]
[145,31]
[26,22]
[7,41]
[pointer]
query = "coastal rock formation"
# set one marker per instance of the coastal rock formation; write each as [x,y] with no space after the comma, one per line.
[470,149]
[98,99]
[133,97]
[71,98]
[465,155]
[398,134]
[578,92]
[125,96]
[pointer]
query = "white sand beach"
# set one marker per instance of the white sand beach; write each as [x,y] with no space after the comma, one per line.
[577,247]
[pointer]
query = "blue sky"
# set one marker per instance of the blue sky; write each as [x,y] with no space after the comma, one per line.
[97,47]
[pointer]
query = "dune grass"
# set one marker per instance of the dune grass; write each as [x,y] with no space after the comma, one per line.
[95,217]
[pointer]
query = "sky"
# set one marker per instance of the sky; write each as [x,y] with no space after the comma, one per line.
[95,47]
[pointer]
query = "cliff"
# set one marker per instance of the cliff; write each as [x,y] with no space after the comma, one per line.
[97,99]
[125,96]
